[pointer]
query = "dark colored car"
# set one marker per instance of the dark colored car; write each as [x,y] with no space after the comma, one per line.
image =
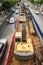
[3,48]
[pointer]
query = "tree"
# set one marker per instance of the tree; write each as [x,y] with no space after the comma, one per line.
[7,4]
[38,1]
[31,0]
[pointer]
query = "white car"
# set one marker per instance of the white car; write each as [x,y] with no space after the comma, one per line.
[36,11]
[11,20]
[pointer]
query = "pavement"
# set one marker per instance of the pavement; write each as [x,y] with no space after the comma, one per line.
[7,31]
[3,20]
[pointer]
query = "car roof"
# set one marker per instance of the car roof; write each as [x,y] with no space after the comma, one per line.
[12,18]
[3,41]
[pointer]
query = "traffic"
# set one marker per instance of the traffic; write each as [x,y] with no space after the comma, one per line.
[20,43]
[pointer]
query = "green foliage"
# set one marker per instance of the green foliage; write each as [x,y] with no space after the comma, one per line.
[7,4]
[31,0]
[38,1]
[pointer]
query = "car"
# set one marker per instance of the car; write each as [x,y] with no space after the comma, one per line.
[3,48]
[11,20]
[36,11]
[42,12]
[7,20]
[41,9]
[17,11]
[13,10]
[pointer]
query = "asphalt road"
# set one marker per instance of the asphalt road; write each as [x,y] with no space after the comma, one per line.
[40,16]
[39,20]
[33,6]
[7,31]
